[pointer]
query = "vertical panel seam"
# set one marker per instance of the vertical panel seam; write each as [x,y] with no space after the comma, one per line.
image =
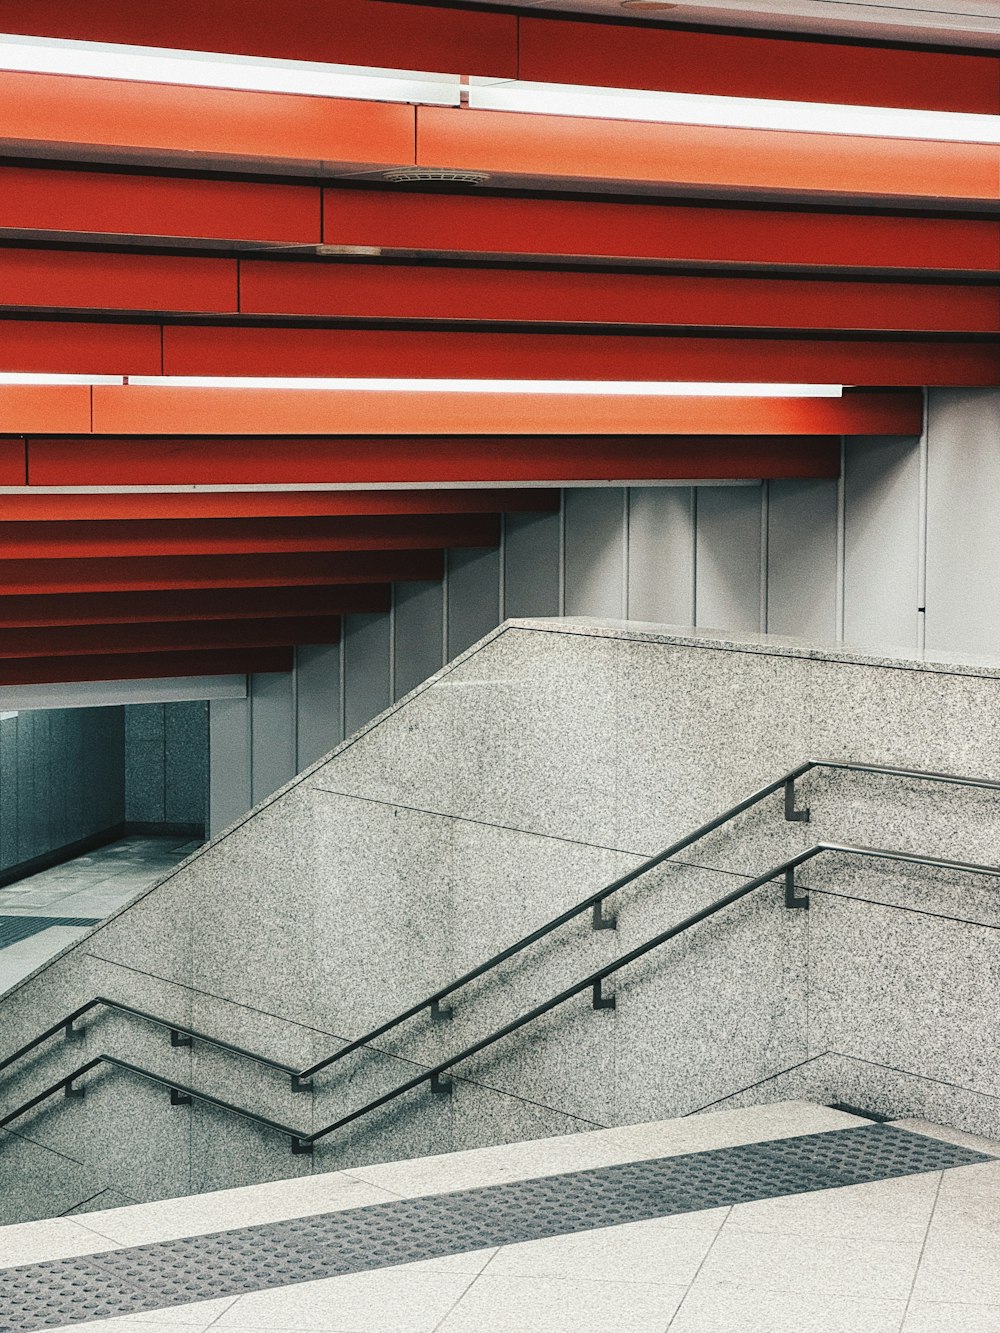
[562,551]
[765,551]
[922,525]
[626,548]
[694,555]
[841,556]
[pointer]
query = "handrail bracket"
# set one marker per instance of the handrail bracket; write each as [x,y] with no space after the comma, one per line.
[602,920]
[791,814]
[792,899]
[602,1001]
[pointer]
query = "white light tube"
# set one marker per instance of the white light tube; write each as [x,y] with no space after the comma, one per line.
[603,388]
[203,69]
[556,99]
[43,55]
[43,377]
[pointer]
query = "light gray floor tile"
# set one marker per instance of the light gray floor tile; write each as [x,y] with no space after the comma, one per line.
[495,1304]
[948,1135]
[969,1202]
[665,1250]
[897,1210]
[252,1205]
[54,1238]
[953,1269]
[832,1265]
[723,1308]
[945,1317]
[389,1300]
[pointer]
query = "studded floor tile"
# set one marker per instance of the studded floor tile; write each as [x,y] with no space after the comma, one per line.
[278,1254]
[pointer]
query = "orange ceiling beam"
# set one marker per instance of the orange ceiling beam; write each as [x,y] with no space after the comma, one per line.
[105,118]
[134,410]
[25,409]
[480,460]
[92,466]
[165,636]
[699,158]
[144,666]
[131,538]
[149,573]
[102,118]
[127,608]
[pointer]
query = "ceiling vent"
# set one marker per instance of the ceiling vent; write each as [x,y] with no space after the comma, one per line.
[435,176]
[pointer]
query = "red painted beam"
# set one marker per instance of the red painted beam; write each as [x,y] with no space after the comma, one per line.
[72,280]
[83,280]
[395,291]
[134,410]
[167,537]
[134,349]
[700,158]
[193,604]
[32,577]
[545,47]
[144,666]
[90,459]
[209,350]
[79,348]
[13,461]
[52,115]
[617,55]
[667,231]
[352,32]
[70,461]
[169,636]
[113,203]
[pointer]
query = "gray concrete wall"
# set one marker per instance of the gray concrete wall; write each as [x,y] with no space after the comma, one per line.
[166,763]
[903,548]
[543,764]
[61,780]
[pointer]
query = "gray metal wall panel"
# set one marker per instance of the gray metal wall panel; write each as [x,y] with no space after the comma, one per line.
[531,565]
[319,711]
[595,552]
[272,731]
[418,627]
[472,602]
[727,587]
[963,521]
[367,668]
[881,542]
[802,559]
[661,554]
[230,786]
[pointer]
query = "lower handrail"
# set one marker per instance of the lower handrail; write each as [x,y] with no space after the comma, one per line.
[302,1141]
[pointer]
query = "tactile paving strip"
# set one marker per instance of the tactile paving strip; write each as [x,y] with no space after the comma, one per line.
[15,928]
[279,1254]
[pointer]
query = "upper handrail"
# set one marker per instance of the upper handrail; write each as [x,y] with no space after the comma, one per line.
[301,1077]
[303,1141]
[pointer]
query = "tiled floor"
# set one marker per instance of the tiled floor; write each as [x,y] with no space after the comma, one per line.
[86,889]
[917,1254]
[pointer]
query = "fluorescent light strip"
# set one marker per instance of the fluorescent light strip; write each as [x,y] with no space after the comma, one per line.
[28,377]
[597,388]
[602,388]
[731,112]
[203,69]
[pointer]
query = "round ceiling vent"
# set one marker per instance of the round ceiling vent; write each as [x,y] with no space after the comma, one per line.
[435,175]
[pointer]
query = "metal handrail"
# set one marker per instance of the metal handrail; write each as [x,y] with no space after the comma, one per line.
[302,1141]
[301,1077]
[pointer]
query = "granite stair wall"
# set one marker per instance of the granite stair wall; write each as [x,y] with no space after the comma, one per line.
[549,759]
